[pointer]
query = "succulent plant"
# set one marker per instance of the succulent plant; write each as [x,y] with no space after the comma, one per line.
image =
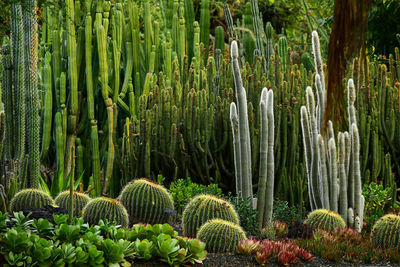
[80,201]
[30,197]
[104,208]
[220,235]
[247,246]
[386,232]
[203,208]
[146,201]
[324,219]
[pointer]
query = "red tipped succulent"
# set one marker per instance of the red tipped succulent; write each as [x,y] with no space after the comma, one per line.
[247,246]
[286,258]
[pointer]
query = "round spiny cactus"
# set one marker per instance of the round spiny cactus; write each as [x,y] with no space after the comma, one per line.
[324,219]
[386,232]
[80,201]
[104,208]
[147,201]
[30,198]
[203,208]
[220,235]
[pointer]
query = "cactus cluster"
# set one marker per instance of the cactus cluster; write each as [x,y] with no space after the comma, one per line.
[325,219]
[220,235]
[104,208]
[79,201]
[386,232]
[203,208]
[30,197]
[332,172]
[146,201]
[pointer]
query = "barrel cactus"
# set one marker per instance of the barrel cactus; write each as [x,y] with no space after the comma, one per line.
[220,235]
[324,219]
[80,201]
[386,232]
[104,208]
[203,208]
[30,197]
[147,201]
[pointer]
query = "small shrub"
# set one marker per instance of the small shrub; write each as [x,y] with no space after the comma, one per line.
[247,215]
[300,230]
[183,190]
[268,232]
[378,201]
[282,212]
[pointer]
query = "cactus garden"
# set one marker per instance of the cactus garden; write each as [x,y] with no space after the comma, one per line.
[199,132]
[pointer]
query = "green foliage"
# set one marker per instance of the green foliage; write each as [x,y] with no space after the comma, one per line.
[220,235]
[183,190]
[30,198]
[204,208]
[247,215]
[346,245]
[378,201]
[282,212]
[324,219]
[146,201]
[103,208]
[78,244]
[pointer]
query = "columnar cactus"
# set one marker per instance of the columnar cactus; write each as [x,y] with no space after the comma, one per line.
[386,232]
[30,197]
[31,87]
[324,219]
[104,208]
[203,208]
[266,179]
[79,201]
[332,174]
[220,235]
[244,156]
[146,201]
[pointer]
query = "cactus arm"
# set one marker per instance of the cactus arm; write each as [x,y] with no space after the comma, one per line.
[342,177]
[333,176]
[270,165]
[48,108]
[236,149]
[324,172]
[357,175]
[262,179]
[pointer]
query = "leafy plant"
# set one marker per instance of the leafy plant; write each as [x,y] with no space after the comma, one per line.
[282,212]
[183,190]
[247,215]
[378,201]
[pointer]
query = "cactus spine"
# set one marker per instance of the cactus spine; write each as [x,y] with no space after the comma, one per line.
[220,235]
[79,201]
[103,208]
[324,219]
[30,197]
[146,201]
[386,232]
[203,208]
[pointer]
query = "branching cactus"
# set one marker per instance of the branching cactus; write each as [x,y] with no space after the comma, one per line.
[220,235]
[334,178]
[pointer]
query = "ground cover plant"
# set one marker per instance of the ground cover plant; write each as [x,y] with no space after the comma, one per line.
[107,107]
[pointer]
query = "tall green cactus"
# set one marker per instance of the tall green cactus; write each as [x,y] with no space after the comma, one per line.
[205,25]
[19,83]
